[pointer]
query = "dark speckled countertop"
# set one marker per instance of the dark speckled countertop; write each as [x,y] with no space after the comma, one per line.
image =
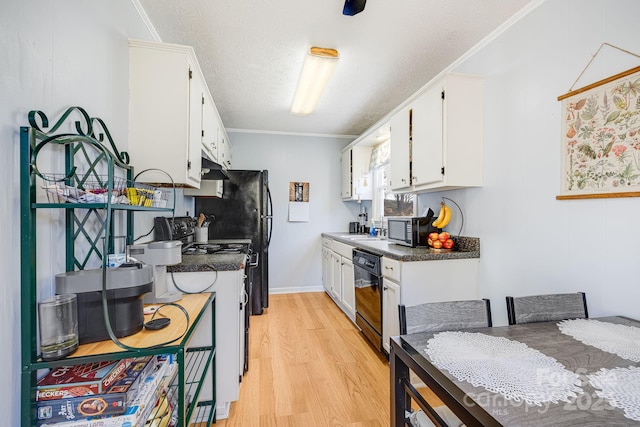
[212,262]
[465,247]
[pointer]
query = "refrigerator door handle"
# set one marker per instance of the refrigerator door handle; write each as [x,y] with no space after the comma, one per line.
[269,217]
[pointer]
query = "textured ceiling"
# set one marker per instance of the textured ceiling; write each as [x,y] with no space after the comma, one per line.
[251,53]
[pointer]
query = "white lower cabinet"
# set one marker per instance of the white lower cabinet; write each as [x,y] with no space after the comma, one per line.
[229,289]
[327,272]
[337,275]
[409,283]
[418,282]
[336,272]
[348,287]
[390,301]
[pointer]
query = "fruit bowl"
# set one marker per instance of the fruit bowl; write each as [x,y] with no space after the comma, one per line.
[440,241]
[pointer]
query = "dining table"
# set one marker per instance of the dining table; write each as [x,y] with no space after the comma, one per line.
[575,372]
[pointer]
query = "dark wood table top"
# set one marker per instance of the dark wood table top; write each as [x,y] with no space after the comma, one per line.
[588,409]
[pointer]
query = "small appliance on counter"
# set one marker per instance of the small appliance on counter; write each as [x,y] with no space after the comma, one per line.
[125,287]
[158,255]
[174,228]
[410,231]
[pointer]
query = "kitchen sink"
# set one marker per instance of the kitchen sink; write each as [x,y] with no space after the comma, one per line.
[359,237]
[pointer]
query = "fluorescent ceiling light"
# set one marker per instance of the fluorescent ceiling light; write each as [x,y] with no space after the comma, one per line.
[316,72]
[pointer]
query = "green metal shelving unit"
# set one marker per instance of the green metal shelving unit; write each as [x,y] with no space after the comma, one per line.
[89,235]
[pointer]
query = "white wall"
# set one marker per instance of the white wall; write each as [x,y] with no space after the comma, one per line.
[295,254]
[530,242]
[74,52]
[54,54]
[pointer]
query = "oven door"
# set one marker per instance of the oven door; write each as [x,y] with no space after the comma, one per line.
[369,304]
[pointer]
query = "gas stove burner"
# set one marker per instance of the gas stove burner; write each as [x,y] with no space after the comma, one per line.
[195,251]
[229,251]
[210,247]
[235,245]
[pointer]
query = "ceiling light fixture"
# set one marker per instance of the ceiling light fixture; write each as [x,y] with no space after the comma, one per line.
[316,72]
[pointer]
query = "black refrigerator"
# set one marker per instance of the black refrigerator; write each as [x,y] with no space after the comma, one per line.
[244,212]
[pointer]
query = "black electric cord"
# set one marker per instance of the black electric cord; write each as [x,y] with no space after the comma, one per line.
[150,325]
[145,235]
[105,306]
[173,279]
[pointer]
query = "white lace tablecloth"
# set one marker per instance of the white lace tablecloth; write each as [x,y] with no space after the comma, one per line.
[620,387]
[621,340]
[503,366]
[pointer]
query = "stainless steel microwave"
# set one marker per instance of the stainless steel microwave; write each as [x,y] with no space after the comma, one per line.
[410,231]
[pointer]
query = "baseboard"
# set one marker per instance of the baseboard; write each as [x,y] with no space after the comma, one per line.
[297,290]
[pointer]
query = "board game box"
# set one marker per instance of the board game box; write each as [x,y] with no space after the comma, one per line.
[139,409]
[113,402]
[80,380]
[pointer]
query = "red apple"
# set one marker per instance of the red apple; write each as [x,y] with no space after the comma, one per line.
[433,236]
[443,236]
[429,242]
[437,244]
[447,244]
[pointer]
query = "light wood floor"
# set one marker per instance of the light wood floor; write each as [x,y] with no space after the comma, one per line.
[310,366]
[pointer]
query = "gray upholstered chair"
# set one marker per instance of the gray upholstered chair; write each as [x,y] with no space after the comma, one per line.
[546,308]
[443,316]
[437,317]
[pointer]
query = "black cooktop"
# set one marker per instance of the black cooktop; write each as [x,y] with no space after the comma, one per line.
[216,248]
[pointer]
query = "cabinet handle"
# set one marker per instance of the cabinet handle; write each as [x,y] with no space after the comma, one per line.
[388,268]
[384,288]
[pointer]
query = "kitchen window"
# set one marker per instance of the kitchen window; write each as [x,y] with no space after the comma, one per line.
[386,203]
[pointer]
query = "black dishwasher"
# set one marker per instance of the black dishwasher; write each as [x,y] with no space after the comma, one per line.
[368,283]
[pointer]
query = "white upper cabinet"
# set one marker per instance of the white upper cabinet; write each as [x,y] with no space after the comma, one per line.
[400,155]
[427,138]
[356,178]
[224,150]
[436,140]
[172,117]
[210,127]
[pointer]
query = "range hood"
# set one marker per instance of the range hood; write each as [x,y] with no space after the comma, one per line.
[212,170]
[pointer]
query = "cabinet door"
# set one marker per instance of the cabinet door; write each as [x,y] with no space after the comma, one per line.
[224,150]
[390,316]
[196,110]
[210,127]
[348,288]
[427,137]
[327,270]
[165,94]
[345,165]
[336,273]
[400,155]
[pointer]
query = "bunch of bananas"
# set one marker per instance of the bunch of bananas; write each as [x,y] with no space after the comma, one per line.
[443,217]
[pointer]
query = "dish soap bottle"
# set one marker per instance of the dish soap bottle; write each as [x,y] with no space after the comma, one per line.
[372,229]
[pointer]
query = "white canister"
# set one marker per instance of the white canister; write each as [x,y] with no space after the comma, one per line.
[202,234]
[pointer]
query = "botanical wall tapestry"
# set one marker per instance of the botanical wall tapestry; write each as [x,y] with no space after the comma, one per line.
[601,138]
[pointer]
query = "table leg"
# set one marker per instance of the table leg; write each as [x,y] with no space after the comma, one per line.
[399,398]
